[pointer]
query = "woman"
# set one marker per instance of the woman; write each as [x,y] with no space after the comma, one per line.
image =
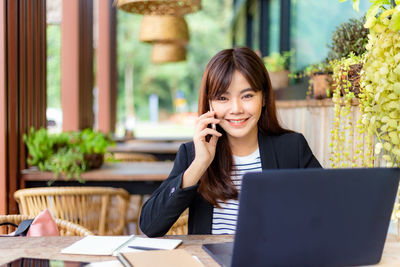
[237,97]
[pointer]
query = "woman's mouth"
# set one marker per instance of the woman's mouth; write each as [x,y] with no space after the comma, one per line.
[237,122]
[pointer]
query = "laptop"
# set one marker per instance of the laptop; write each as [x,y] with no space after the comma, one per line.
[311,217]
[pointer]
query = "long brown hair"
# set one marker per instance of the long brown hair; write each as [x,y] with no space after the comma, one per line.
[216,183]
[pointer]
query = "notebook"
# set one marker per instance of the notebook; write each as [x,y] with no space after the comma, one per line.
[165,258]
[311,217]
[112,245]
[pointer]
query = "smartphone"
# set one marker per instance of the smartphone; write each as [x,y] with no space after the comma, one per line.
[213,126]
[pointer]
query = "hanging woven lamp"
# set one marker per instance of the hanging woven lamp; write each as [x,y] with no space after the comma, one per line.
[168,52]
[160,7]
[156,29]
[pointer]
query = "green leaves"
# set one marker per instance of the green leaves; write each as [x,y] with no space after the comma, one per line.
[356,4]
[346,73]
[64,153]
[349,37]
[395,22]
[276,61]
[380,84]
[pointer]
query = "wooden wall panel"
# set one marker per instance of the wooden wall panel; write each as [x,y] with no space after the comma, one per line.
[12,101]
[314,119]
[3,110]
[22,88]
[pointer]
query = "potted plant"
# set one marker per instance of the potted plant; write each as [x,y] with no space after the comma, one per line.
[69,154]
[277,66]
[349,37]
[319,80]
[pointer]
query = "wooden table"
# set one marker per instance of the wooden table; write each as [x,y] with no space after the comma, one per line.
[49,247]
[162,150]
[135,177]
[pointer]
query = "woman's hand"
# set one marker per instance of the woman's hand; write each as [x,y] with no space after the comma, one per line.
[204,151]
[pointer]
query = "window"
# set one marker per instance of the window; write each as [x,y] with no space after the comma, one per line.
[312,24]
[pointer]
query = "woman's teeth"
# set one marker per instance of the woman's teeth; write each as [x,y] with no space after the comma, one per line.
[237,121]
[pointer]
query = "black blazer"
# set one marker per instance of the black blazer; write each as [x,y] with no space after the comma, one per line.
[286,151]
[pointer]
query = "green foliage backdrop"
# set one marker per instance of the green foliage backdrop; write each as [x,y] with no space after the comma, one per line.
[53,66]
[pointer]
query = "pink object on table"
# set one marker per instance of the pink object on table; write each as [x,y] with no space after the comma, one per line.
[43,225]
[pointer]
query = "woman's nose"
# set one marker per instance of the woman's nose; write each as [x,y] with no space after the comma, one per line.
[236,106]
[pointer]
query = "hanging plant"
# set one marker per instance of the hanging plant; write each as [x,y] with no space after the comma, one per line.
[346,84]
[380,83]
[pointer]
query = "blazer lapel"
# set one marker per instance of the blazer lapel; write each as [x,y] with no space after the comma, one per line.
[267,152]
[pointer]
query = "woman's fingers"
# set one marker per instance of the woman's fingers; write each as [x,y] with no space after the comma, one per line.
[213,140]
[207,114]
[208,131]
[204,120]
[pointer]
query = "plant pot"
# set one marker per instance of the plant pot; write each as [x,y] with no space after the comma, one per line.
[353,76]
[94,160]
[322,85]
[279,79]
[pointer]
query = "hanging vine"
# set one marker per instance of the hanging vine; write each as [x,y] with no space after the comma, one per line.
[346,83]
[380,101]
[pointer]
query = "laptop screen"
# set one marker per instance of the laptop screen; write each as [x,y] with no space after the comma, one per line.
[314,217]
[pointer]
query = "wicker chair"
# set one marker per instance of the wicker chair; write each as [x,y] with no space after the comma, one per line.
[135,201]
[133,213]
[102,210]
[180,227]
[64,227]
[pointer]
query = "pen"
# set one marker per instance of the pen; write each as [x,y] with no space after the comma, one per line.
[143,248]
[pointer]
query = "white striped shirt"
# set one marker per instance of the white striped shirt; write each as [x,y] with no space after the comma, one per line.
[224,218]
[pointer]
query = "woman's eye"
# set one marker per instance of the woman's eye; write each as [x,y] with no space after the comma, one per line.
[248,96]
[222,98]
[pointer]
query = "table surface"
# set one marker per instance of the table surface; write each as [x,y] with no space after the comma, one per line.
[119,171]
[151,147]
[49,248]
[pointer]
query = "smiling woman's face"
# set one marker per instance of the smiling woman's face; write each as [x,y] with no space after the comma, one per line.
[239,109]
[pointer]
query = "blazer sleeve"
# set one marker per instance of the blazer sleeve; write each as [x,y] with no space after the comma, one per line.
[306,157]
[169,201]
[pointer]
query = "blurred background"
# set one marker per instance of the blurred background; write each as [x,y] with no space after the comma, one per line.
[161,99]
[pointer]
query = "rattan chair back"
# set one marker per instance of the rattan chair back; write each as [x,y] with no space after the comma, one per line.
[102,210]
[64,227]
[180,227]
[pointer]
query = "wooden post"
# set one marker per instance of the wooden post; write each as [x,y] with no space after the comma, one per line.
[107,67]
[77,64]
